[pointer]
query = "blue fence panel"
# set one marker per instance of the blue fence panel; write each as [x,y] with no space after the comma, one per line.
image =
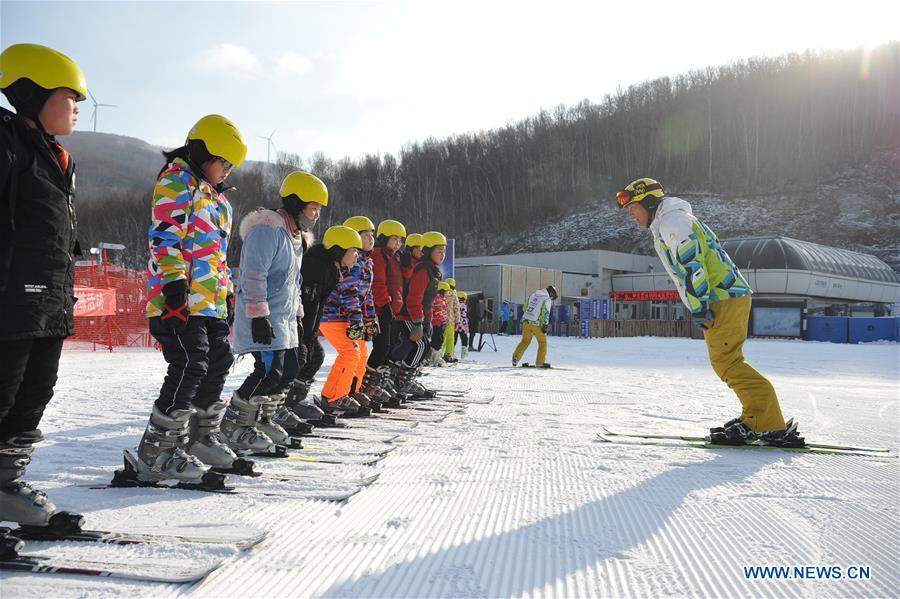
[863,330]
[826,328]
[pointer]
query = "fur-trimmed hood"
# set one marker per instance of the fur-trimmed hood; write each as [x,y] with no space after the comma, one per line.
[261,217]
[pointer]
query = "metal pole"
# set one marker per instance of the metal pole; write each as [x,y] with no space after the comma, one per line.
[108,317]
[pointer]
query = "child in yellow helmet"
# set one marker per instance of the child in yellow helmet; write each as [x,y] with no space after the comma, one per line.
[37,270]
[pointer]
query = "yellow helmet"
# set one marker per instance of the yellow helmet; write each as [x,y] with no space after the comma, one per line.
[645,190]
[432,239]
[452,282]
[443,286]
[414,240]
[391,227]
[343,237]
[360,224]
[221,137]
[462,295]
[43,66]
[307,187]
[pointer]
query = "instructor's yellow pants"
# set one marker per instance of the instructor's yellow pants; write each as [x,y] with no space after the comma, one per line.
[725,340]
[529,331]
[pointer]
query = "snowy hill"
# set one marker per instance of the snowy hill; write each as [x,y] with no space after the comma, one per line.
[518,497]
[858,209]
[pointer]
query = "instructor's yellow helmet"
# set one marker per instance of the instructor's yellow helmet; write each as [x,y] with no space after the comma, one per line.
[646,191]
[414,240]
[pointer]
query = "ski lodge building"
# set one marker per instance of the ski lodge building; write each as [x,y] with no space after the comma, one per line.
[801,289]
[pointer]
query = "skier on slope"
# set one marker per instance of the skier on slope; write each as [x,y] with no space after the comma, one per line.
[418,298]
[188,281]
[462,327]
[324,267]
[268,306]
[348,320]
[387,292]
[535,323]
[718,297]
[37,257]
[453,316]
[439,320]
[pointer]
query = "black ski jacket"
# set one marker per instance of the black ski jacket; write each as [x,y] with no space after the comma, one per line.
[320,277]
[37,235]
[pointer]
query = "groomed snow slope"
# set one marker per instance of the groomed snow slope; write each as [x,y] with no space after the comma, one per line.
[518,497]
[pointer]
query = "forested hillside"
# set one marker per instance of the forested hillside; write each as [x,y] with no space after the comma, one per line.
[785,141]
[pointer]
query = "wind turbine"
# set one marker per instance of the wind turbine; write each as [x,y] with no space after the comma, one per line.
[97,105]
[269,144]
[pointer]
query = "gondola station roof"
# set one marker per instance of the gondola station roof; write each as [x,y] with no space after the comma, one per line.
[784,253]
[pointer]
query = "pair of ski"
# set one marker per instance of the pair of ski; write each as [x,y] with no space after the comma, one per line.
[703,442]
[171,572]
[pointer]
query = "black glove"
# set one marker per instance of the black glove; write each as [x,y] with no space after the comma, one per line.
[176,310]
[262,331]
[545,327]
[356,331]
[229,305]
[416,333]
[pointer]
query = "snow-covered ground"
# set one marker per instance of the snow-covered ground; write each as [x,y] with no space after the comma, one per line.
[518,497]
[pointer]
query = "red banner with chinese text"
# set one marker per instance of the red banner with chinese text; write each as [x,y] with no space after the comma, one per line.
[93,301]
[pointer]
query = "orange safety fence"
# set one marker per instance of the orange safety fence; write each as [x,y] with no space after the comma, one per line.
[111,308]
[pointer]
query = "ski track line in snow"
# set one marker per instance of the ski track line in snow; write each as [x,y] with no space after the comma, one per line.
[517,497]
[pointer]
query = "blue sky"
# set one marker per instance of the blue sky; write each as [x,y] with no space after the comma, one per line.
[349,78]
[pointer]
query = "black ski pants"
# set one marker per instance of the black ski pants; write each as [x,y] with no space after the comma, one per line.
[28,369]
[268,369]
[199,358]
[384,341]
[408,351]
[437,337]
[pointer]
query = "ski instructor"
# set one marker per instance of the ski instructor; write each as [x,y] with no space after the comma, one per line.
[718,296]
[37,257]
[536,323]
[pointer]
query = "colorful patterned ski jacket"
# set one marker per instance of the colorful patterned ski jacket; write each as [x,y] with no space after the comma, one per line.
[453,310]
[439,311]
[463,324]
[537,309]
[691,254]
[188,239]
[348,301]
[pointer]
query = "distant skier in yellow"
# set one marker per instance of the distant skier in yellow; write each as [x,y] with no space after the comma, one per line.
[535,323]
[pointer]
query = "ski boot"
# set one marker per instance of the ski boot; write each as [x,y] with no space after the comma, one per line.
[544,365]
[343,406]
[206,445]
[378,395]
[239,428]
[515,361]
[19,502]
[161,456]
[297,407]
[10,545]
[789,437]
[267,424]
[463,353]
